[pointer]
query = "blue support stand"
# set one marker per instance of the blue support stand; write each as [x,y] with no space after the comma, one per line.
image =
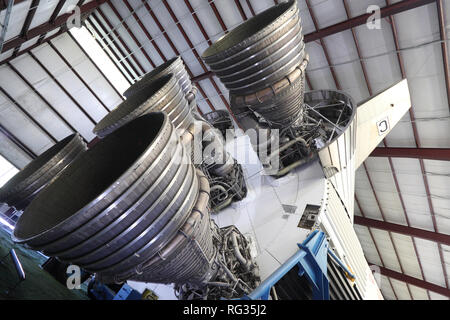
[311,260]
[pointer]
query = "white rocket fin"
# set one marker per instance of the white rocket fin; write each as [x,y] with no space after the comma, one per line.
[376,118]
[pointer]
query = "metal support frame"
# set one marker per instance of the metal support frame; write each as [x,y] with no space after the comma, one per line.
[386,11]
[126,52]
[414,281]
[416,138]
[409,231]
[26,25]
[414,153]
[47,26]
[111,53]
[28,115]
[197,56]
[311,260]
[62,88]
[132,36]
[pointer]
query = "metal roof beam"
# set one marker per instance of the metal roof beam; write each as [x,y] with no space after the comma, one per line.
[37,44]
[127,53]
[26,25]
[415,153]
[409,231]
[414,281]
[386,11]
[57,10]
[103,43]
[47,27]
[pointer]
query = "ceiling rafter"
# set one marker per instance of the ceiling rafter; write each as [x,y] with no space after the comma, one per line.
[56,11]
[150,38]
[386,11]
[416,137]
[417,140]
[218,17]
[4,3]
[442,154]
[358,50]
[144,29]
[37,44]
[128,53]
[405,230]
[102,41]
[199,59]
[225,30]
[369,88]
[250,7]
[241,10]
[47,26]
[414,281]
[30,15]
[138,43]
[26,25]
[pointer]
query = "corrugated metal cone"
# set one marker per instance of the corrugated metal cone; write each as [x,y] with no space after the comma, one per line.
[27,183]
[174,66]
[128,208]
[262,63]
[163,94]
[259,52]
